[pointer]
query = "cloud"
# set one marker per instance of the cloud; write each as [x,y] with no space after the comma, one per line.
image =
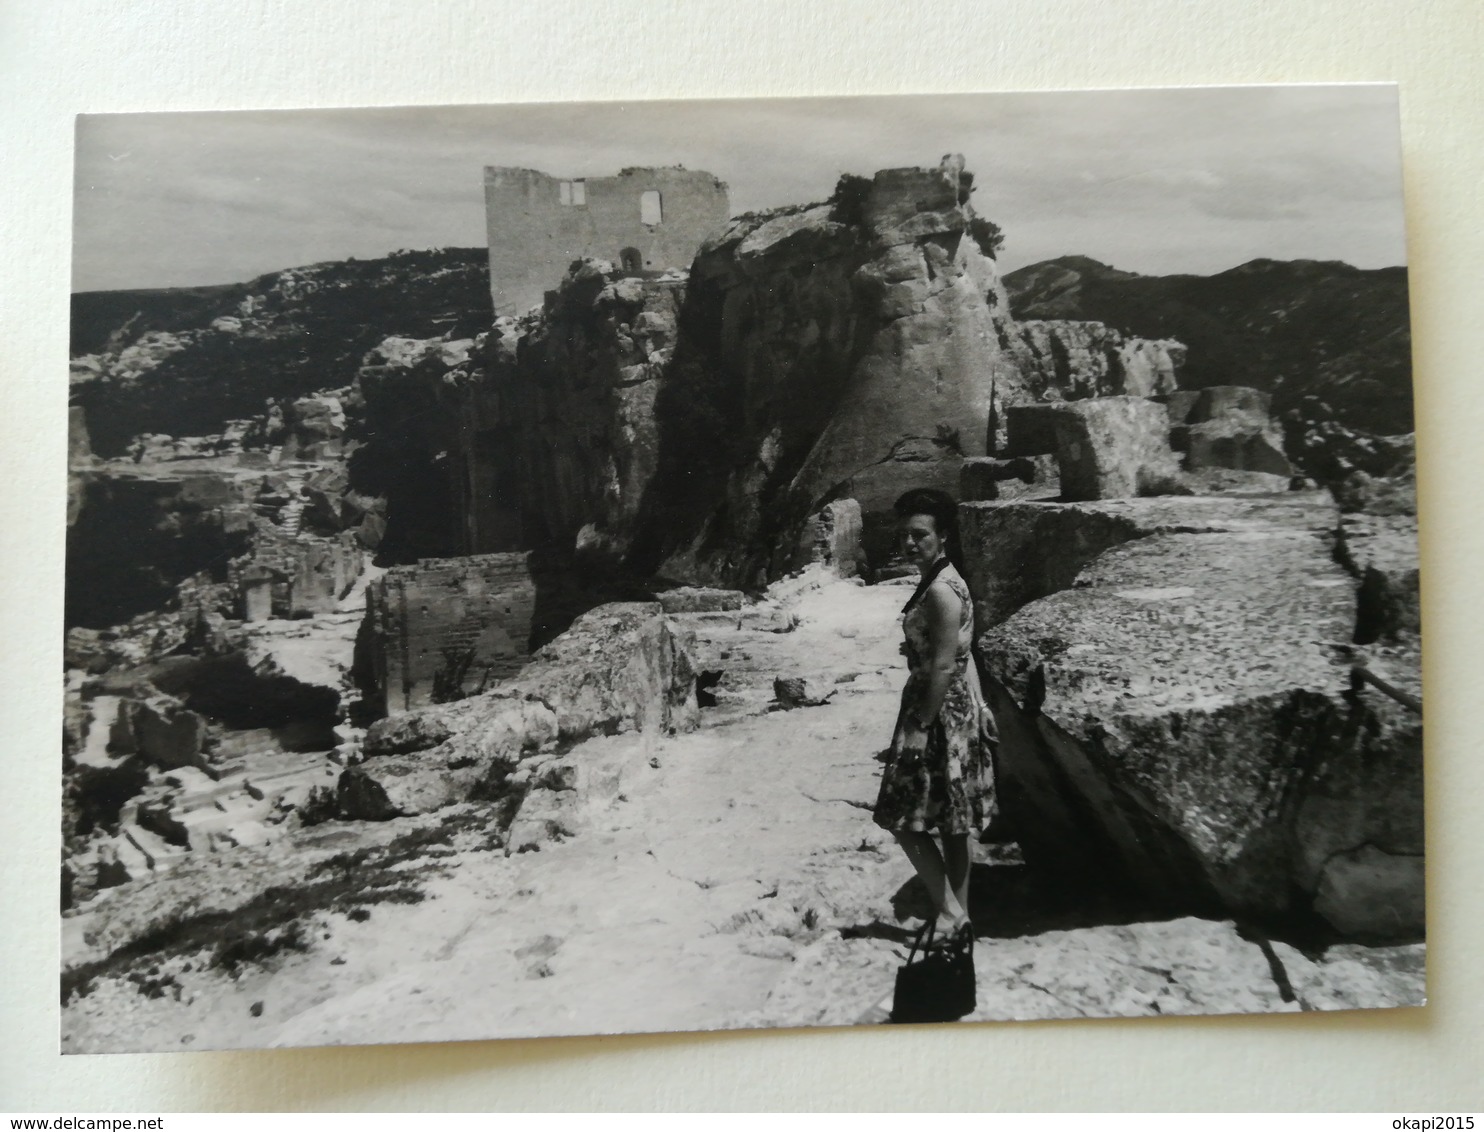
[1170,179]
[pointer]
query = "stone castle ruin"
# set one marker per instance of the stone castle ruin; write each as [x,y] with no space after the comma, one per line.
[642,220]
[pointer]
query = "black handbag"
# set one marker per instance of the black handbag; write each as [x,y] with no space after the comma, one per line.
[937,987]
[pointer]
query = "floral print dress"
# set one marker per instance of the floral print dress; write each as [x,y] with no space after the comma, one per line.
[948,786]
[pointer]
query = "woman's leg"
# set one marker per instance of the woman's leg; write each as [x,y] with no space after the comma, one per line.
[956,869]
[923,852]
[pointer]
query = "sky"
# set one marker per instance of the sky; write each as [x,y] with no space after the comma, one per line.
[1154,181]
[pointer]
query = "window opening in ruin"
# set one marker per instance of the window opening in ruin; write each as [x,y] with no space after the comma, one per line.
[579,194]
[630,259]
[650,210]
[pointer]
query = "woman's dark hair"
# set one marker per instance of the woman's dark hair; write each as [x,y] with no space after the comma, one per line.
[944,512]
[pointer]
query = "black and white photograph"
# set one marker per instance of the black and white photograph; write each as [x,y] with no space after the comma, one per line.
[625,567]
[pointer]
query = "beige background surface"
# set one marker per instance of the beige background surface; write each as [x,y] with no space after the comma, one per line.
[60,59]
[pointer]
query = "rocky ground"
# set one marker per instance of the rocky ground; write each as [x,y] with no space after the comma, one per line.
[726,877]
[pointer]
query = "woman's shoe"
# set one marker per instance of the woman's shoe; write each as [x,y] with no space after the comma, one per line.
[960,940]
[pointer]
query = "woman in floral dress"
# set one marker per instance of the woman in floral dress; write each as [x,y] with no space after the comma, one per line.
[939,775]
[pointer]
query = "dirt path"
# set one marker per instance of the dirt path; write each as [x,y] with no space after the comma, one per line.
[683,901]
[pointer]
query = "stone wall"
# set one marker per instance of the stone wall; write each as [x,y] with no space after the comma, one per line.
[446,628]
[539,224]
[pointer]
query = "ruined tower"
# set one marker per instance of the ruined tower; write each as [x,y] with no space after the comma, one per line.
[642,220]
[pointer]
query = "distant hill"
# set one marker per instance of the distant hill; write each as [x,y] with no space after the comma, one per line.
[101,318]
[184,361]
[1293,328]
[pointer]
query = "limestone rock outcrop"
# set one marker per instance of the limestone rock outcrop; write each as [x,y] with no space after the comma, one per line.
[1178,715]
[708,427]
[499,729]
[859,343]
[185,362]
[1075,360]
[619,667]
[1293,329]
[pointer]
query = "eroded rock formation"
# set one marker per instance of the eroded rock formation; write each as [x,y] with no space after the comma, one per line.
[1105,447]
[1174,693]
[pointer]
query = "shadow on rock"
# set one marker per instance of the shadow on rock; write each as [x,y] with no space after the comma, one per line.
[1010,901]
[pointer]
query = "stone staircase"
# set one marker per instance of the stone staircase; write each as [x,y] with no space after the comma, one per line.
[291,516]
[192,812]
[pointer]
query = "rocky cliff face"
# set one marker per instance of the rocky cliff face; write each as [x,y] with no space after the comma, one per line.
[854,349]
[570,406]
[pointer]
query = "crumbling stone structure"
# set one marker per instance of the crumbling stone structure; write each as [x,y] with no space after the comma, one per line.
[832,537]
[642,220]
[446,628]
[295,575]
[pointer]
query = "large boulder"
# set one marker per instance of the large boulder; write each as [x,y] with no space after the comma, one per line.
[1017,551]
[1106,448]
[1181,719]
[1227,426]
[495,735]
[619,667]
[1112,448]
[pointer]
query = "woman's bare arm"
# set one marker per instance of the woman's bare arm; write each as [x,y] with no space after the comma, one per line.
[944,611]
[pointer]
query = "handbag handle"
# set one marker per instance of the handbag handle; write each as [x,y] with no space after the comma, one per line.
[924,939]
